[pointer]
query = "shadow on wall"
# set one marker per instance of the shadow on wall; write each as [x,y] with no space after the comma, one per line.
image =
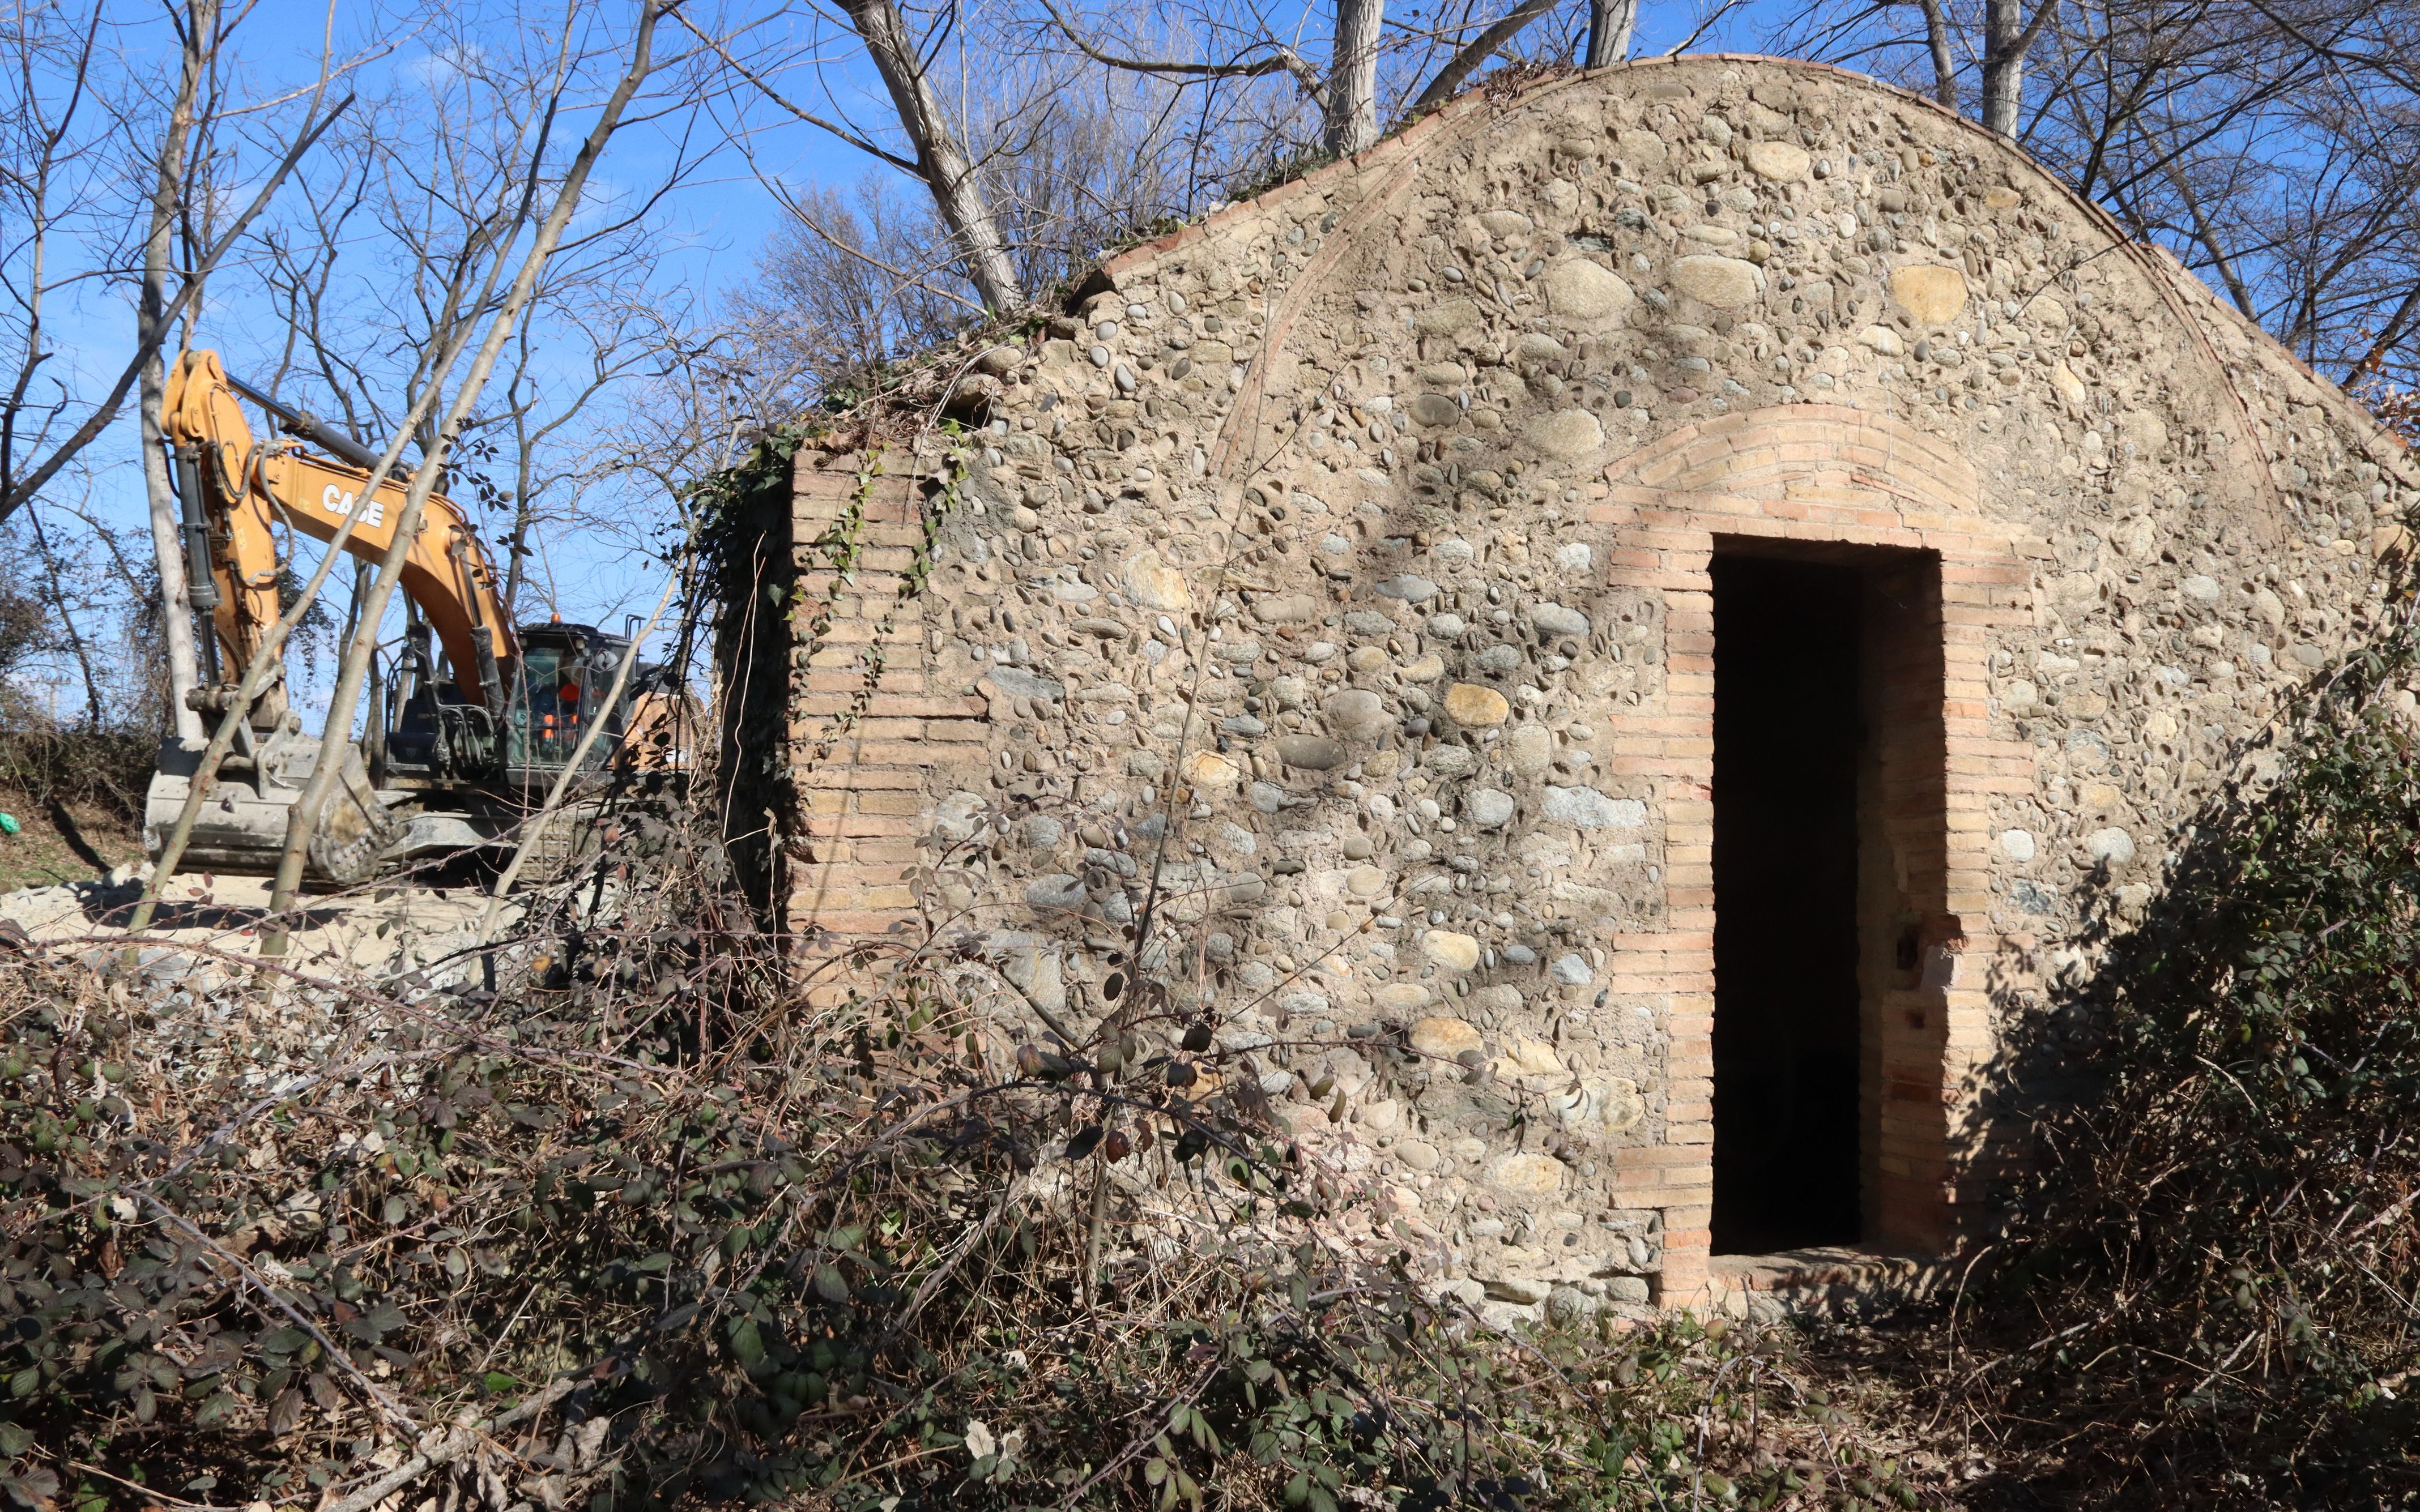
[2203,1119]
[1252,816]
[753,573]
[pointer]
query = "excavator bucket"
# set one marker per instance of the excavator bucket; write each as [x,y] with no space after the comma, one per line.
[241,826]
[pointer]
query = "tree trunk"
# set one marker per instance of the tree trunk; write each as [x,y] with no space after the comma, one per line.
[517,546]
[1945,64]
[2004,85]
[168,550]
[940,159]
[516,541]
[1610,25]
[2007,37]
[167,537]
[1352,119]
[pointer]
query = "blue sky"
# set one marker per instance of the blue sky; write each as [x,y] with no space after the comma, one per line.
[708,232]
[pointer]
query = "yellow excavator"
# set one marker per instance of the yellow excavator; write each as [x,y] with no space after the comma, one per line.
[456,752]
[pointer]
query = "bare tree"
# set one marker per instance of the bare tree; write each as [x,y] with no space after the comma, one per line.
[492,251]
[940,160]
[1068,157]
[937,153]
[54,187]
[841,290]
[1947,44]
[198,37]
[354,322]
[376,267]
[2272,144]
[50,177]
[1246,43]
[27,633]
[71,634]
[1230,89]
[545,409]
[73,114]
[1072,160]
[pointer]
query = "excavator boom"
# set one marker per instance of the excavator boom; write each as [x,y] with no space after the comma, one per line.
[445,572]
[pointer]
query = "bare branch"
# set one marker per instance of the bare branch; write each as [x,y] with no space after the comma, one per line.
[1284,60]
[1448,79]
[765,87]
[106,413]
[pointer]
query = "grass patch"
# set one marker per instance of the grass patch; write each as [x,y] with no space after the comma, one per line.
[77,797]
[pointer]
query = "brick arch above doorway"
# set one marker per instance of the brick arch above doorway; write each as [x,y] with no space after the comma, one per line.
[1829,467]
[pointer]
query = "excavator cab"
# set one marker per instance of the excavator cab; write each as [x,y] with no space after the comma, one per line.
[439,737]
[567,671]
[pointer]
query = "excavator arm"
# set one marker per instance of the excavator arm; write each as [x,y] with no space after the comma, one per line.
[246,486]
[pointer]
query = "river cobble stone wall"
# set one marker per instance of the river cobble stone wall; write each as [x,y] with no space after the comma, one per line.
[1333,580]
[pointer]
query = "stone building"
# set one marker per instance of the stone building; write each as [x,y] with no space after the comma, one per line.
[1671,600]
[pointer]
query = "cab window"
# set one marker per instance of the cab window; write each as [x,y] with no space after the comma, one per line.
[553,700]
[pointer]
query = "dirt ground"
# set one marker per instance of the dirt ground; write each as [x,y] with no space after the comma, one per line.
[376,932]
[63,843]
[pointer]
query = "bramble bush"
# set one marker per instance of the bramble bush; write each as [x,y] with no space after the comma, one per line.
[2208,1298]
[658,1223]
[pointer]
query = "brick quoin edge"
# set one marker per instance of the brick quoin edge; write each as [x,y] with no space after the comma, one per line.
[1354,554]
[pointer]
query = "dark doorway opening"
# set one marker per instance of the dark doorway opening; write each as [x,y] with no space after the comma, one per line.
[1786,740]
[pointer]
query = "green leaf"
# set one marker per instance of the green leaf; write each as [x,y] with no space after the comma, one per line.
[679,1318]
[285,1341]
[830,1284]
[498,1382]
[746,1342]
[377,1324]
[34,1488]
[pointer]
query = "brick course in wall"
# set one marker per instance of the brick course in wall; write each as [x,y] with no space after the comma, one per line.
[1343,563]
[866,744]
